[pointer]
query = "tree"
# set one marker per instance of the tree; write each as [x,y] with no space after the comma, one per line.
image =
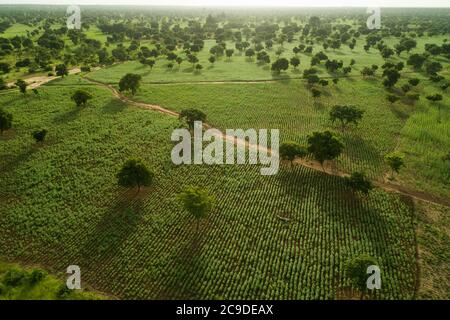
[346,115]
[192,115]
[392,76]
[250,53]
[316,93]
[61,70]
[392,98]
[324,146]
[179,60]
[229,53]
[192,59]
[356,270]
[416,60]
[280,65]
[387,53]
[433,67]
[22,85]
[358,182]
[198,67]
[39,135]
[130,82]
[295,62]
[395,161]
[414,82]
[291,150]
[81,97]
[5,120]
[134,173]
[197,202]
[212,59]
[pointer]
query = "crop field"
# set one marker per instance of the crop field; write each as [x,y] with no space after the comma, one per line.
[111,232]
[288,236]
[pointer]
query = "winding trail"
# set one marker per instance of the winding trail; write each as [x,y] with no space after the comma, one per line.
[387,186]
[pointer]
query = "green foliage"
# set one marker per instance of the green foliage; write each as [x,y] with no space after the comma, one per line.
[346,114]
[39,135]
[192,115]
[356,270]
[395,160]
[5,120]
[291,150]
[196,201]
[22,85]
[81,97]
[358,182]
[324,146]
[130,82]
[61,70]
[135,173]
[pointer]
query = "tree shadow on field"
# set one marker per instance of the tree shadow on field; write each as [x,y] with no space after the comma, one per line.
[9,163]
[68,116]
[113,106]
[113,228]
[188,260]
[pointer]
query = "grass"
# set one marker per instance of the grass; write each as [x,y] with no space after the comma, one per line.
[60,204]
[46,289]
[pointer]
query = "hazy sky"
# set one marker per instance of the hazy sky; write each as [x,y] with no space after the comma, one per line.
[275,3]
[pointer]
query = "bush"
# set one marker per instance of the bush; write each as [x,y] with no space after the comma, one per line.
[63,292]
[37,275]
[39,135]
[14,277]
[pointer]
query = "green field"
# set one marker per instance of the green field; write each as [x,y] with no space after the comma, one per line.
[108,228]
[287,236]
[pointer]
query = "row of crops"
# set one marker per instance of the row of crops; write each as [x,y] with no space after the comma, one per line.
[60,206]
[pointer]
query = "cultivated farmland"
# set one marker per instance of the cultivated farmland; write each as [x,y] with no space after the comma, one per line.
[286,236]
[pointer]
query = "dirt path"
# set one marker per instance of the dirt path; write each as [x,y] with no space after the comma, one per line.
[37,81]
[387,186]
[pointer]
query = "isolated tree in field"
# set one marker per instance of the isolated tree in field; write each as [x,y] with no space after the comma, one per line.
[192,59]
[392,76]
[416,60]
[134,173]
[130,82]
[22,85]
[324,146]
[212,59]
[435,98]
[395,161]
[295,62]
[316,93]
[198,67]
[81,97]
[280,65]
[346,115]
[291,150]
[249,53]
[61,70]
[414,82]
[179,60]
[392,98]
[40,135]
[358,182]
[229,53]
[356,271]
[5,120]
[433,67]
[197,202]
[192,115]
